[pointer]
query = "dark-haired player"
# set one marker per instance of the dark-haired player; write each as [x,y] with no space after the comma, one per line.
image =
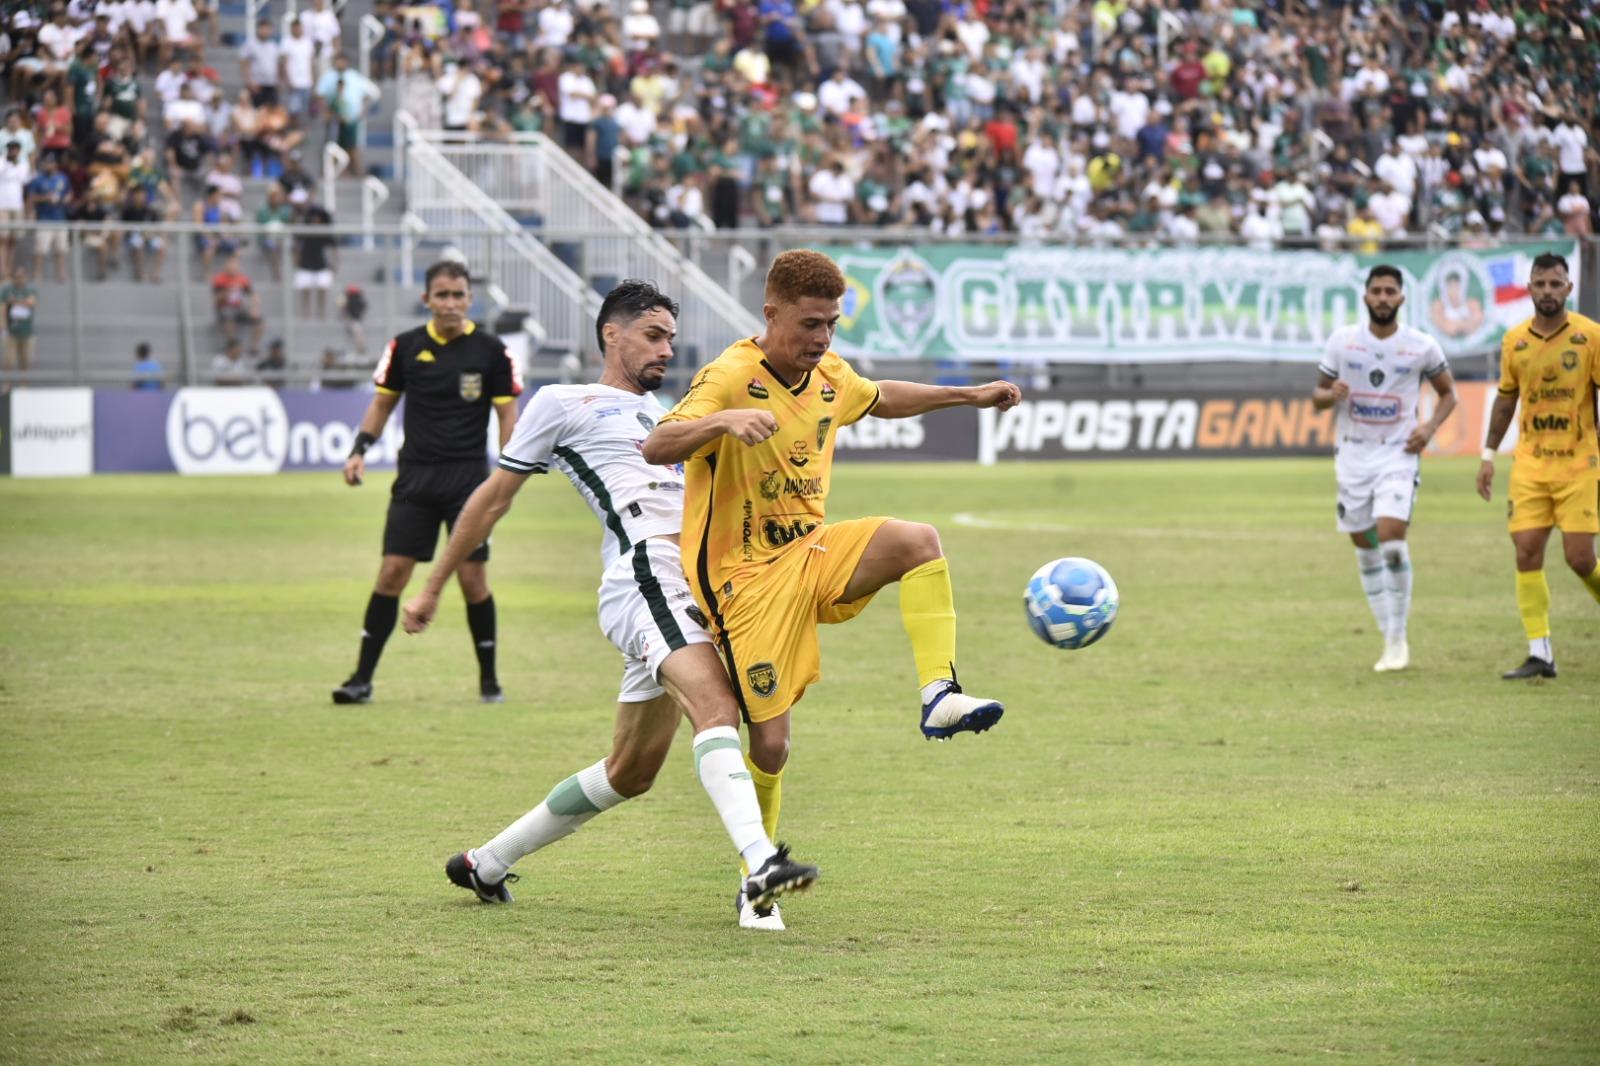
[593,434]
[757,430]
[452,374]
[1551,365]
[1373,373]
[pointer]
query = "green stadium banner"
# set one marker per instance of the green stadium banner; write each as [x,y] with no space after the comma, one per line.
[1038,303]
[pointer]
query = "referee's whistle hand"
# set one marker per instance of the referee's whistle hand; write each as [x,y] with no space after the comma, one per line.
[354,467]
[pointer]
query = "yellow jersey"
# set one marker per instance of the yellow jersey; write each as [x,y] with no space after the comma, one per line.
[744,504]
[1554,377]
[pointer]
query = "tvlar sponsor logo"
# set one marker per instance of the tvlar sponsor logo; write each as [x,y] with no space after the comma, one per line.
[1053,427]
[1551,423]
[781,529]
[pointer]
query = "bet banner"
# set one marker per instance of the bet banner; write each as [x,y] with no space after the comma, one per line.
[1022,304]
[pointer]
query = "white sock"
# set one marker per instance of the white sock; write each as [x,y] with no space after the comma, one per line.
[1370,560]
[932,689]
[719,761]
[1540,649]
[1397,580]
[570,804]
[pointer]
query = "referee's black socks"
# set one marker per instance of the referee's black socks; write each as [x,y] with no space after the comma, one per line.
[480,619]
[375,629]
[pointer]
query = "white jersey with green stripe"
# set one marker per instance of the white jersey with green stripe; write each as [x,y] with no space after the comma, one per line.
[595,435]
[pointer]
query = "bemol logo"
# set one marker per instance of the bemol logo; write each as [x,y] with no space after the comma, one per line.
[248,431]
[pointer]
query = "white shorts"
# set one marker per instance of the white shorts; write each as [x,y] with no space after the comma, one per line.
[313,279]
[647,611]
[1383,493]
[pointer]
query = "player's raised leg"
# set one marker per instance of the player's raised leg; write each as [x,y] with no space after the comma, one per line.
[383,608]
[1533,604]
[910,553]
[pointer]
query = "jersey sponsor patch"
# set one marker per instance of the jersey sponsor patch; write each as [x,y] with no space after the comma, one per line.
[471,386]
[822,432]
[1374,408]
[755,389]
[828,393]
[799,453]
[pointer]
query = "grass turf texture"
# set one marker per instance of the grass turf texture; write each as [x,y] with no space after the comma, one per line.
[1216,836]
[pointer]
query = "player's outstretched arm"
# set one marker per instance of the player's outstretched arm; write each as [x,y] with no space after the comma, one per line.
[1499,421]
[675,441]
[372,423]
[487,505]
[902,399]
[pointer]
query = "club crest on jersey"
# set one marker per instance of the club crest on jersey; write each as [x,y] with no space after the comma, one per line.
[771,484]
[1569,360]
[646,421]
[763,678]
[828,393]
[822,431]
[756,389]
[471,386]
[1376,377]
[797,453]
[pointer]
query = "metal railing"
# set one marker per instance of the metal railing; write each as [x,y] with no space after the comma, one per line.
[532,276]
[570,210]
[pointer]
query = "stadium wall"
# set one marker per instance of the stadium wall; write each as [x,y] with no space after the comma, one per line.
[238,431]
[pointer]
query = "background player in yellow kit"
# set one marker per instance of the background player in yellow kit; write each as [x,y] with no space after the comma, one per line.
[756,430]
[1551,365]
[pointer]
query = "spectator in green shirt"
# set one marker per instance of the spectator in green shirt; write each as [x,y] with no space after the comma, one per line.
[21,301]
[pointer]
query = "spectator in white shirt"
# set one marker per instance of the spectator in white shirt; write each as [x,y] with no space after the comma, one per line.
[176,18]
[840,94]
[259,60]
[575,108]
[299,58]
[636,121]
[640,30]
[1399,170]
[555,24]
[1572,151]
[1258,231]
[1391,208]
[15,173]
[461,89]
[322,26]
[832,191]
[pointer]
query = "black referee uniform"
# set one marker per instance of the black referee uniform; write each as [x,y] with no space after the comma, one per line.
[451,389]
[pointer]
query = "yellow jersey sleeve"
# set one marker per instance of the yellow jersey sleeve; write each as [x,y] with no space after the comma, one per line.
[708,393]
[857,395]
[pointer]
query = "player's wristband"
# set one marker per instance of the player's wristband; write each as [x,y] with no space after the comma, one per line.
[364,440]
[1488,455]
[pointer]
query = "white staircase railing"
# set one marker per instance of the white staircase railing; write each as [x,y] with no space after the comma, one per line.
[496,247]
[533,175]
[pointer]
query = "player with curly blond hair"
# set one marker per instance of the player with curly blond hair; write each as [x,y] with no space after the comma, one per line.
[756,430]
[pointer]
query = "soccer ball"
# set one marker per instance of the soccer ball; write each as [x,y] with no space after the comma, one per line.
[1071,602]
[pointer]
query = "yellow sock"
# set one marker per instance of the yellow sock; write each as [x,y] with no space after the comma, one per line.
[1592,582]
[769,794]
[928,611]
[1533,603]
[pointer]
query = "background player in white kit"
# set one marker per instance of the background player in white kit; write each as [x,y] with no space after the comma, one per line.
[593,434]
[1373,373]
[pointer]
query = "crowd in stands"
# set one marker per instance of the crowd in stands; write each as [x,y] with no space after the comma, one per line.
[1261,120]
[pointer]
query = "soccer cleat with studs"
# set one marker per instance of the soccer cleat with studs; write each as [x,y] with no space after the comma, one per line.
[953,711]
[1396,656]
[355,690]
[1531,667]
[489,691]
[463,872]
[753,917]
[778,875]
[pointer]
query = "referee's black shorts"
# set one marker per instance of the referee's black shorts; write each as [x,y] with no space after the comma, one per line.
[425,495]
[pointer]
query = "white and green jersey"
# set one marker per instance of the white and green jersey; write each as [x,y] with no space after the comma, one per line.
[1385,376]
[595,435]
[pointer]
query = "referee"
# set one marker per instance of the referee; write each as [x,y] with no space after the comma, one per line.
[454,374]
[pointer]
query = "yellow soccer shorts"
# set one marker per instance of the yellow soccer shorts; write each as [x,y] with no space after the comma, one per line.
[1572,505]
[769,624]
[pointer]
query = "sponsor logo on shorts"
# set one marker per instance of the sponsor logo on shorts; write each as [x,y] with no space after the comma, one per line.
[782,529]
[763,678]
[697,616]
[799,453]
[828,393]
[471,386]
[756,389]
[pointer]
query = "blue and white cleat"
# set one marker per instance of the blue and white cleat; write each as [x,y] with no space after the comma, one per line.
[953,711]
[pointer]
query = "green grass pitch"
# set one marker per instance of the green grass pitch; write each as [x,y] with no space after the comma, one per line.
[1215,837]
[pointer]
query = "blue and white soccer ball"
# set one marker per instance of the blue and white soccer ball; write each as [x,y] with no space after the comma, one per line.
[1071,602]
